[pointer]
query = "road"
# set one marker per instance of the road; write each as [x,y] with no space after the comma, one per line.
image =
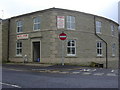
[15,78]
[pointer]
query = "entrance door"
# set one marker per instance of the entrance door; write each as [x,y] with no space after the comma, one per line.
[36,51]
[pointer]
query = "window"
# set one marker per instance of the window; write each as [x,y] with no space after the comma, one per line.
[99,48]
[98,27]
[71,48]
[70,22]
[36,24]
[113,49]
[19,48]
[112,30]
[19,26]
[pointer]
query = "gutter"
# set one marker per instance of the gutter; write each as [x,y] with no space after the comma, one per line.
[103,41]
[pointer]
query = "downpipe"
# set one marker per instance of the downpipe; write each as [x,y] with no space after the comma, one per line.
[103,41]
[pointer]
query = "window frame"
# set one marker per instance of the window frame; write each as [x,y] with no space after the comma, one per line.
[70,25]
[98,27]
[113,49]
[19,24]
[100,48]
[112,30]
[36,23]
[19,48]
[71,47]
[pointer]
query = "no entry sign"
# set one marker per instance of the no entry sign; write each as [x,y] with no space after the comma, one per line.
[62,36]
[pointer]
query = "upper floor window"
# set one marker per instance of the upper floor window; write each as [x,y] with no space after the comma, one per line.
[98,27]
[19,26]
[99,48]
[19,48]
[112,30]
[70,22]
[113,49]
[71,47]
[36,25]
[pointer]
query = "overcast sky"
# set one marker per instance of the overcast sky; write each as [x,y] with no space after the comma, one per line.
[105,8]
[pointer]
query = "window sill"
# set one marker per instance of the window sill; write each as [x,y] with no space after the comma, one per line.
[70,29]
[18,56]
[19,32]
[99,56]
[113,55]
[98,33]
[37,30]
[71,56]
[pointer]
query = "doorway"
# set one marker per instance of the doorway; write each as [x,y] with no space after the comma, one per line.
[36,51]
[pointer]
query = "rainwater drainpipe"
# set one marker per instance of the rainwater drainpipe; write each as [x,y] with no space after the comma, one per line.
[119,50]
[103,41]
[8,38]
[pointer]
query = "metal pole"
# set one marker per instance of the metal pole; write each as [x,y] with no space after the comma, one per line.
[62,52]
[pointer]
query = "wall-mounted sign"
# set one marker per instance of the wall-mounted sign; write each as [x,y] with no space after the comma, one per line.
[60,22]
[22,36]
[62,36]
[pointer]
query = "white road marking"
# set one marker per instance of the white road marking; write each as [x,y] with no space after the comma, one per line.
[99,74]
[86,73]
[55,71]
[111,74]
[88,69]
[112,70]
[13,85]
[75,72]
[84,70]
[94,70]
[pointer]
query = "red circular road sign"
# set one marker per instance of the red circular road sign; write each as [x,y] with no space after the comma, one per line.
[62,36]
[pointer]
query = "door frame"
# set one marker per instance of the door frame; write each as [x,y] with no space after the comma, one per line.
[32,41]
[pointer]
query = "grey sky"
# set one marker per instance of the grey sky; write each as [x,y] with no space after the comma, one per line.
[105,8]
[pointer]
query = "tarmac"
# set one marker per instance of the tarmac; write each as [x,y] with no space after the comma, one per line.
[41,67]
[63,69]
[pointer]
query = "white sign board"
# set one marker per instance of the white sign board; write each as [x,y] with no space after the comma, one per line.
[60,22]
[22,36]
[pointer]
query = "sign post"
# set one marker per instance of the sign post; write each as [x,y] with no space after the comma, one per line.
[62,37]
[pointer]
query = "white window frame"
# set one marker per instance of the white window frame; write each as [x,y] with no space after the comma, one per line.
[70,22]
[112,30]
[19,24]
[36,23]
[70,54]
[19,48]
[113,49]
[99,48]
[98,27]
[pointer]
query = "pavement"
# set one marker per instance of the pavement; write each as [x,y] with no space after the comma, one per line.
[66,69]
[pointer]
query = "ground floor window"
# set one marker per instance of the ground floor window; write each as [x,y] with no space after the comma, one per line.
[18,48]
[71,48]
[99,48]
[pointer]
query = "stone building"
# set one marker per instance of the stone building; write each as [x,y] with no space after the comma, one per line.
[4,24]
[90,38]
[0,40]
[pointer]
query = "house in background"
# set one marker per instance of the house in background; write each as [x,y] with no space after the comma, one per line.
[90,38]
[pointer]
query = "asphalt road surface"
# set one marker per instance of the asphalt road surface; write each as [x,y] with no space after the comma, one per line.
[13,78]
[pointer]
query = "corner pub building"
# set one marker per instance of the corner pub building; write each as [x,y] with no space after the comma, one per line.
[90,38]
